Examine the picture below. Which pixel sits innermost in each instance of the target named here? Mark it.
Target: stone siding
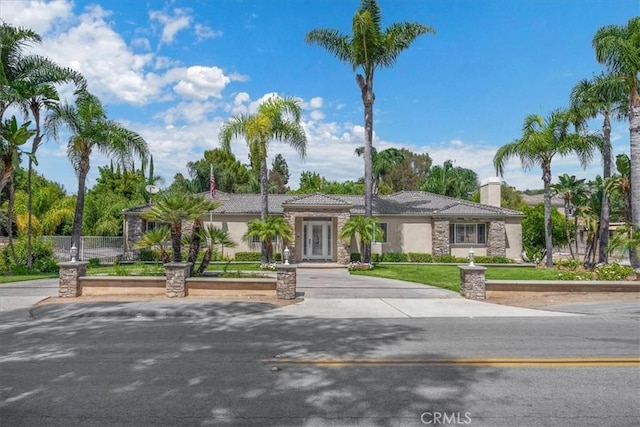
(135, 230)
(496, 239)
(472, 282)
(69, 278)
(177, 274)
(286, 281)
(440, 238)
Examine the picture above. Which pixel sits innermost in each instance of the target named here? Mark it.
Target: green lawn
(448, 276)
(11, 278)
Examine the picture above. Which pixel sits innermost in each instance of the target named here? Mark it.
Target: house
(412, 221)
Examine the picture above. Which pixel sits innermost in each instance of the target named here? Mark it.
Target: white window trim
(453, 240)
(386, 233)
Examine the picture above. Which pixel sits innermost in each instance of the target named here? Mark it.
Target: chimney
(490, 191)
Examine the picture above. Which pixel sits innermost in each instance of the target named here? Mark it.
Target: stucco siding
(513, 229)
(236, 225)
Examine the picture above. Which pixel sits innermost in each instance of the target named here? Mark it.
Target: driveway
(24, 294)
(338, 283)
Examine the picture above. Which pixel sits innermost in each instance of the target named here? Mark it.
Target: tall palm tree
(618, 48)
(368, 47)
(620, 183)
(543, 139)
(91, 131)
(606, 95)
(276, 118)
(383, 162)
(175, 208)
(570, 189)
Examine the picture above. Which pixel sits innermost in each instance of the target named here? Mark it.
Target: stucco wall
(236, 225)
(513, 228)
(405, 234)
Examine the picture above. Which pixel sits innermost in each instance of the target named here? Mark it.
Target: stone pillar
(69, 278)
(177, 274)
(440, 237)
(343, 248)
(496, 239)
(286, 281)
(472, 282)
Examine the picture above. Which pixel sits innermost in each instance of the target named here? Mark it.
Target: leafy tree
(270, 229)
(279, 175)
(364, 229)
(228, 171)
(533, 230)
(510, 198)
(383, 163)
(214, 236)
(569, 188)
(451, 181)
(368, 48)
(604, 95)
(618, 48)
(277, 118)
(541, 141)
(91, 131)
(410, 172)
(620, 184)
(175, 208)
(312, 182)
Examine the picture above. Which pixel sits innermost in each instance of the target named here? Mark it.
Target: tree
(542, 140)
(91, 131)
(620, 184)
(605, 95)
(270, 229)
(452, 181)
(279, 175)
(383, 163)
(510, 198)
(276, 118)
(214, 236)
(410, 172)
(533, 230)
(368, 48)
(156, 238)
(364, 229)
(569, 188)
(175, 208)
(618, 48)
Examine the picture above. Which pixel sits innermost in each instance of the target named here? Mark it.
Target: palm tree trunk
(566, 227)
(603, 233)
(548, 226)
(634, 130)
(77, 216)
(10, 220)
(176, 242)
(205, 261)
(195, 243)
(368, 99)
(29, 208)
(264, 213)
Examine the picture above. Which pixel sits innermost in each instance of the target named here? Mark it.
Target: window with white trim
(256, 240)
(383, 227)
(468, 233)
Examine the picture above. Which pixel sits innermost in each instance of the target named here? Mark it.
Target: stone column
(286, 281)
(440, 237)
(496, 239)
(69, 278)
(177, 274)
(472, 282)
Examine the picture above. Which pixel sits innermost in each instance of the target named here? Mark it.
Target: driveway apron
(338, 283)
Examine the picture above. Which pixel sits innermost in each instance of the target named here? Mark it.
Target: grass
(448, 276)
(21, 278)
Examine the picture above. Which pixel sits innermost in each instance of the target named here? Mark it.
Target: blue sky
(174, 71)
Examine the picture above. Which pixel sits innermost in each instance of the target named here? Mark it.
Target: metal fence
(106, 249)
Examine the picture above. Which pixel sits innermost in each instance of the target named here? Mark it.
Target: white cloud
(200, 83)
(317, 115)
(37, 15)
(203, 32)
(315, 102)
(171, 25)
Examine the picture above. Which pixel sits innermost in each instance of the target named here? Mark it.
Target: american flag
(212, 183)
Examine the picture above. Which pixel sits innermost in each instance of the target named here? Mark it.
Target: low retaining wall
(91, 286)
(205, 286)
(561, 286)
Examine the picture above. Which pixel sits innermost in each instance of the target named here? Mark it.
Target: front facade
(412, 221)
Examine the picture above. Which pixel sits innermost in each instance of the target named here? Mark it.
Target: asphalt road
(245, 369)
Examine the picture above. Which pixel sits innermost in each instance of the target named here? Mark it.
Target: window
(467, 233)
(383, 227)
(256, 240)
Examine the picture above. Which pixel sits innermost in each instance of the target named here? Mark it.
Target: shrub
(450, 259)
(499, 259)
(575, 275)
(149, 255)
(41, 250)
(420, 257)
(94, 262)
(356, 257)
(613, 272)
(248, 256)
(394, 257)
(375, 257)
(278, 257)
(360, 266)
(568, 264)
(48, 265)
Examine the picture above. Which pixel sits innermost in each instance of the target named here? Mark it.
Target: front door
(317, 240)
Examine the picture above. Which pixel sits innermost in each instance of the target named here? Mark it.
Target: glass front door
(317, 236)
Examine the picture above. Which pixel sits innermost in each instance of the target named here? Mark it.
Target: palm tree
(271, 121)
(383, 162)
(625, 238)
(155, 238)
(364, 229)
(570, 189)
(620, 183)
(606, 95)
(214, 236)
(450, 181)
(543, 139)
(91, 131)
(270, 229)
(368, 48)
(618, 48)
(175, 208)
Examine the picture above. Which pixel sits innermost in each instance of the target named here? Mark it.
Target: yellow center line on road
(525, 362)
